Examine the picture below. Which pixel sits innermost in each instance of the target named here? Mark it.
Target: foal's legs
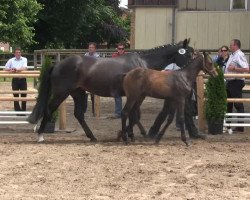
(132, 105)
(134, 117)
(137, 116)
(78, 96)
(180, 114)
(53, 105)
(124, 115)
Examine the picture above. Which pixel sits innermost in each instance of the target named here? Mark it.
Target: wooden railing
(26, 74)
(201, 99)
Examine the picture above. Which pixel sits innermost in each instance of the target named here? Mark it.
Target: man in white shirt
(17, 64)
(236, 64)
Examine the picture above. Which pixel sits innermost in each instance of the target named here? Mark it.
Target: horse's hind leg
(78, 97)
(180, 116)
(53, 105)
(138, 123)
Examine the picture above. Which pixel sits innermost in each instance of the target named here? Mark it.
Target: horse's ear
(205, 54)
(186, 42)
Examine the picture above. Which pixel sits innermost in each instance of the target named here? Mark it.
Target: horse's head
(208, 65)
(158, 58)
(183, 53)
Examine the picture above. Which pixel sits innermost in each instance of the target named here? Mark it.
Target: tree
(72, 24)
(17, 18)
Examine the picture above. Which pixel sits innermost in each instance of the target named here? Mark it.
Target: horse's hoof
(151, 135)
(40, 139)
(93, 140)
(119, 136)
(157, 142)
(188, 143)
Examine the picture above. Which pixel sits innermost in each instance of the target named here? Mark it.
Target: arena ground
(68, 166)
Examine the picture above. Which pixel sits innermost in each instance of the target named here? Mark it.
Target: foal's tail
(43, 97)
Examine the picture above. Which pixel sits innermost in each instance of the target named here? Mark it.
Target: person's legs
(189, 122)
(15, 86)
(118, 106)
(236, 92)
(229, 105)
(23, 86)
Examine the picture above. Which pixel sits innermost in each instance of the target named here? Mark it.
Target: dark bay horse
(101, 76)
(173, 87)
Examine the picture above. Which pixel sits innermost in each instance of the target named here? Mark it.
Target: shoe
(115, 117)
(198, 136)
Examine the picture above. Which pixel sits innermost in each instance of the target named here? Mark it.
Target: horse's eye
(182, 51)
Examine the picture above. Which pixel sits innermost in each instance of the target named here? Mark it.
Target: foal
(173, 87)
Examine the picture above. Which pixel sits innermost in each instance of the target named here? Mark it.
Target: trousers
(19, 84)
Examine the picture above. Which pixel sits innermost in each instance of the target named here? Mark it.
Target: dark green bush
(216, 98)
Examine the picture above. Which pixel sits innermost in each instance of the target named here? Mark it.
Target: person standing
(118, 99)
(236, 64)
(91, 52)
(223, 57)
(13, 65)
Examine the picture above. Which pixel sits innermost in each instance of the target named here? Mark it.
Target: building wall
(210, 30)
(152, 27)
(4, 46)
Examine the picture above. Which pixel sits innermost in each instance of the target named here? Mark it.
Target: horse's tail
(43, 96)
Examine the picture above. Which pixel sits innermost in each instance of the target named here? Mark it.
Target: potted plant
(50, 126)
(216, 102)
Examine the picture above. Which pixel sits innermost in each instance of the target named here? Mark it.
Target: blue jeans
(118, 106)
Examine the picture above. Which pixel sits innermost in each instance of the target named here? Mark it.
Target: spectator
(236, 64)
(91, 52)
(223, 57)
(18, 64)
(118, 99)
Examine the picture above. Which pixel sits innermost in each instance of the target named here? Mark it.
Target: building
(209, 23)
(4, 46)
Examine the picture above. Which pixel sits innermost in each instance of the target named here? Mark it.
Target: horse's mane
(157, 49)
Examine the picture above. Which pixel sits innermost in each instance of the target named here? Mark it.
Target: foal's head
(208, 65)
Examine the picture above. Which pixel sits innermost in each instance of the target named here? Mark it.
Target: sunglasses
(223, 50)
(120, 48)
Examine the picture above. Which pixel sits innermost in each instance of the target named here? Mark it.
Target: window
(238, 4)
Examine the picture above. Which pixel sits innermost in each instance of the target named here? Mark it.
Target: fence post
(62, 107)
(62, 116)
(200, 101)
